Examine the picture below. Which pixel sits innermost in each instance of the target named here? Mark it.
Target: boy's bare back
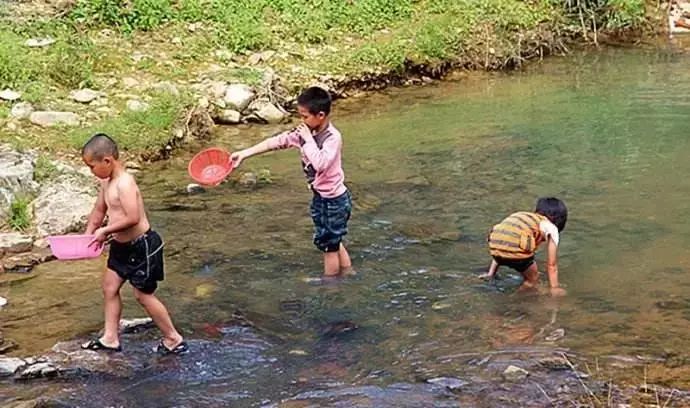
(121, 197)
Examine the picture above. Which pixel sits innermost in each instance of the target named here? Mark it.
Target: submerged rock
(10, 365)
(514, 373)
(448, 382)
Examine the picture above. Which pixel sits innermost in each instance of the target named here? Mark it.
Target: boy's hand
(236, 159)
(558, 291)
(99, 237)
(304, 132)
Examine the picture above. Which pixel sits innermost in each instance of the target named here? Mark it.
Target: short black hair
(99, 146)
(553, 209)
(316, 100)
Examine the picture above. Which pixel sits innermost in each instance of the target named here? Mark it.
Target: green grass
(20, 213)
(44, 169)
(138, 131)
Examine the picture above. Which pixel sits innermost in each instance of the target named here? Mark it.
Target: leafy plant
(20, 216)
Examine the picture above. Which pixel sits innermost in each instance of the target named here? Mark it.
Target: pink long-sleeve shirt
(321, 159)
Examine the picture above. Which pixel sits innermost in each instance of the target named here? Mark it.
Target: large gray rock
(64, 204)
(39, 42)
(50, 118)
(10, 365)
(238, 96)
(14, 243)
(267, 111)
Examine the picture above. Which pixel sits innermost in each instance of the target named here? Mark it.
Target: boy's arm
(97, 215)
(280, 141)
(552, 267)
(322, 158)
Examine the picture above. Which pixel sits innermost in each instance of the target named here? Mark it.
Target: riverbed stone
(21, 110)
(238, 96)
(136, 324)
(248, 179)
(227, 117)
(9, 95)
(15, 242)
(167, 87)
(64, 204)
(10, 365)
(267, 111)
(85, 95)
(52, 118)
(515, 373)
(39, 370)
(194, 188)
(449, 382)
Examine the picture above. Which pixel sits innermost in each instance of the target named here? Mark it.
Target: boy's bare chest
(112, 197)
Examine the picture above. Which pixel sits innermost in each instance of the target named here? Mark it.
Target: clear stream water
(431, 170)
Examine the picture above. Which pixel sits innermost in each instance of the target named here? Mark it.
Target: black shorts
(519, 265)
(330, 216)
(139, 261)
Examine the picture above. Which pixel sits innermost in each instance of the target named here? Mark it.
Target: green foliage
(72, 62)
(608, 14)
(126, 15)
(44, 169)
(17, 66)
(139, 131)
(20, 213)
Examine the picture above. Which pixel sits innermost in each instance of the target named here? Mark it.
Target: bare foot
(486, 276)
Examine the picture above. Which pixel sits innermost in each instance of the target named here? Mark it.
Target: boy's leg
(112, 305)
(156, 309)
(345, 261)
(531, 276)
(331, 264)
(492, 270)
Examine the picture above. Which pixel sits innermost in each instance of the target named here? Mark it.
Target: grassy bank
(100, 42)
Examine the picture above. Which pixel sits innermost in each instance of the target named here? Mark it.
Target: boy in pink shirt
(320, 145)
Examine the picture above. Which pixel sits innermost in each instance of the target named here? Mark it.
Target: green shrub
(20, 213)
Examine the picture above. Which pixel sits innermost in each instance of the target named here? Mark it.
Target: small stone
(427, 80)
(514, 373)
(3, 302)
(85, 95)
(167, 87)
(39, 42)
(10, 95)
(21, 110)
(203, 102)
(11, 126)
(228, 117)
(14, 243)
(193, 188)
(41, 243)
(238, 96)
(133, 325)
(176, 40)
(554, 363)
(556, 335)
(448, 382)
(133, 165)
(129, 82)
(204, 290)
(49, 118)
(137, 106)
(248, 179)
(440, 306)
(298, 352)
(10, 365)
(216, 90)
(100, 102)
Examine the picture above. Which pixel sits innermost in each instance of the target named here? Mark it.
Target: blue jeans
(330, 216)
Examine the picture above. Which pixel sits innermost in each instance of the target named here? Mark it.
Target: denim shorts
(330, 216)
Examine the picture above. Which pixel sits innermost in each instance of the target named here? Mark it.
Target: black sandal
(97, 345)
(177, 350)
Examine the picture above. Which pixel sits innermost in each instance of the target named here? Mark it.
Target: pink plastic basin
(74, 247)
